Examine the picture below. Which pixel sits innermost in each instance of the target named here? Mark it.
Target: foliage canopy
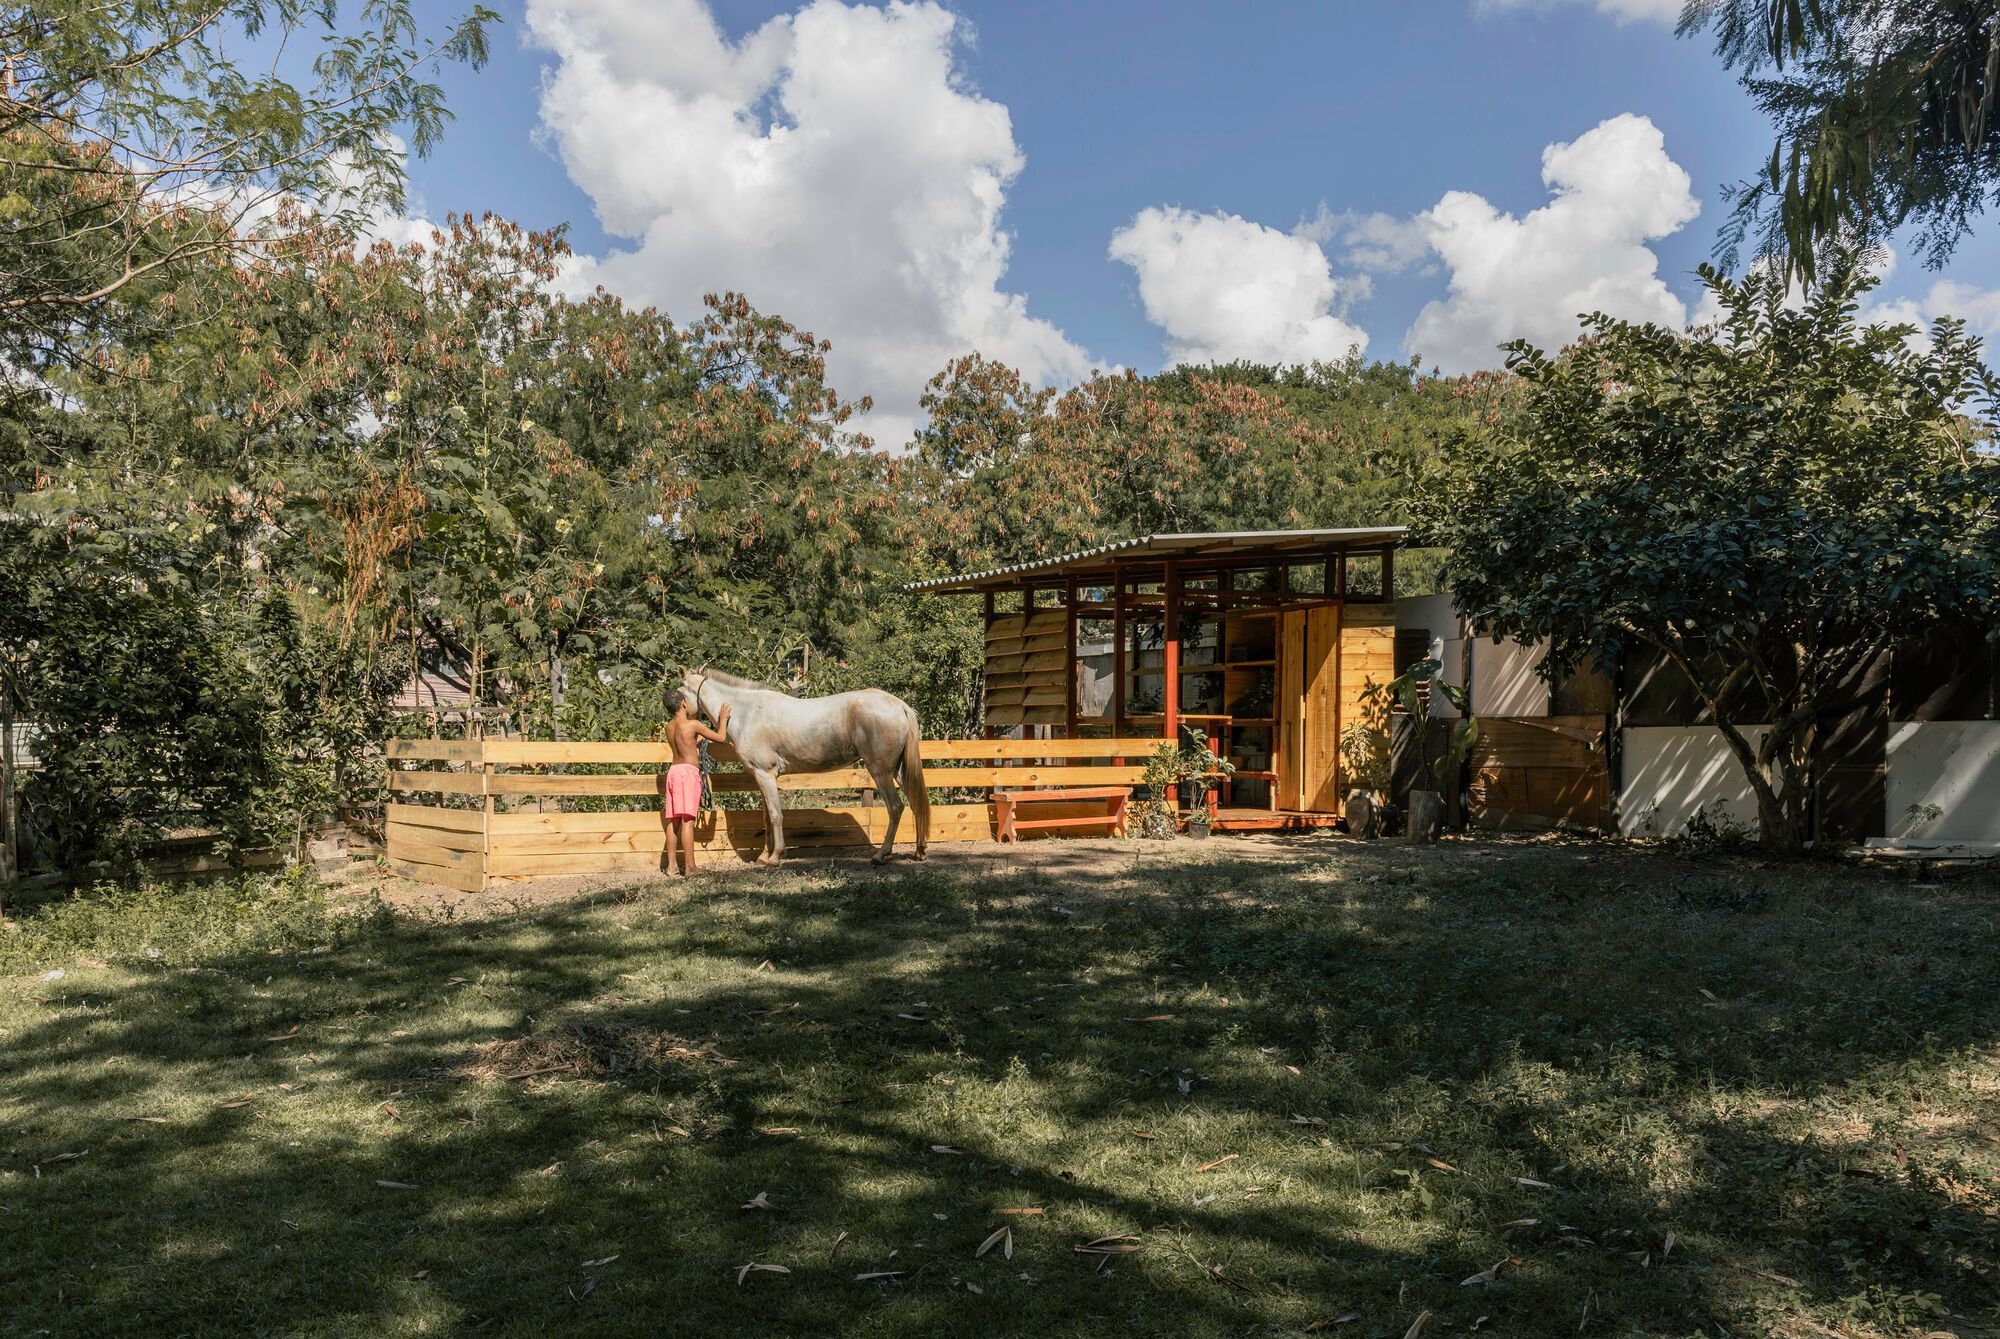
(1768, 506)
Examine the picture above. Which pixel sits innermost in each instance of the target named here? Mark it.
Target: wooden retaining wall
(1541, 772)
(468, 813)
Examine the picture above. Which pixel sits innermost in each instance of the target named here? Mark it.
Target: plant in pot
(1204, 767)
(1441, 753)
(1364, 760)
(1156, 818)
(1166, 768)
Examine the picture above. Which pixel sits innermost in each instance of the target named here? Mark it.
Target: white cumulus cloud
(833, 165)
(1225, 288)
(1615, 189)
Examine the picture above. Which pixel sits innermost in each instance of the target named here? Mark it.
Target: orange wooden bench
(1011, 827)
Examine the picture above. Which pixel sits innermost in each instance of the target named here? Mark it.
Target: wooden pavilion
(1261, 640)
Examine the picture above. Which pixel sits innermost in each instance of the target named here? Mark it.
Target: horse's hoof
(768, 861)
(921, 854)
(878, 860)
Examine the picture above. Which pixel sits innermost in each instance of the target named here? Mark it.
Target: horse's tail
(914, 789)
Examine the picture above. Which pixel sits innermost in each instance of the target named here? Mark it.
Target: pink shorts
(683, 790)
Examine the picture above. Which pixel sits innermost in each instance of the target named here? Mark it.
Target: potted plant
(1440, 753)
(1164, 773)
(1203, 767)
(1166, 769)
(1364, 760)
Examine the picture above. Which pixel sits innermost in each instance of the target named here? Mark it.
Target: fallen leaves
(1109, 1246)
(1417, 1326)
(1491, 1274)
(1347, 1319)
(1018, 1211)
(60, 1157)
(834, 1250)
(745, 1271)
(1151, 1018)
(1532, 1183)
(759, 1201)
(877, 1274)
(1441, 1164)
(394, 1185)
(1002, 1237)
(1211, 1166)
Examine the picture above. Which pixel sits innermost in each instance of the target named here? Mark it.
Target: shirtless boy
(683, 786)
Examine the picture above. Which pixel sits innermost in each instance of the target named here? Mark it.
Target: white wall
(1505, 681)
(1670, 771)
(1954, 765)
(1434, 614)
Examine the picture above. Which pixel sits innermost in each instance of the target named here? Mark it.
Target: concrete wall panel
(1952, 765)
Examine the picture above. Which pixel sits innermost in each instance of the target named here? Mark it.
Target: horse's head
(692, 682)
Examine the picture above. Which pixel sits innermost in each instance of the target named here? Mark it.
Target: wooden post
(1170, 655)
(10, 862)
(986, 727)
(486, 820)
(1069, 658)
(1118, 634)
(1389, 572)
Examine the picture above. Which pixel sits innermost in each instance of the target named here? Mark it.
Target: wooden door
(1307, 710)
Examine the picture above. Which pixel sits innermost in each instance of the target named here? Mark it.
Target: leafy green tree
(1884, 117)
(1768, 509)
(139, 138)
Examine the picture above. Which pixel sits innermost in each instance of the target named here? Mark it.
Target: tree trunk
(9, 834)
(1779, 818)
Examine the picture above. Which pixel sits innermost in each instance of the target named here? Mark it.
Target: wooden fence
(469, 813)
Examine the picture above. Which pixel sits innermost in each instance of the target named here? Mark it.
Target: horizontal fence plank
(434, 750)
(442, 783)
(1027, 774)
(942, 750)
(463, 880)
(448, 839)
(617, 783)
(401, 846)
(528, 752)
(430, 816)
(535, 753)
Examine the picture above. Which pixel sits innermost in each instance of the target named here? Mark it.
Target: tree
(1768, 507)
(142, 137)
(1885, 116)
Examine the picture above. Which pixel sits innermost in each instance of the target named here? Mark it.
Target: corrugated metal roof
(1146, 546)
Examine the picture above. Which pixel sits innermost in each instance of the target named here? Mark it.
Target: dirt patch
(585, 1051)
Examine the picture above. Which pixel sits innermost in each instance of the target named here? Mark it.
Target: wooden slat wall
(1541, 771)
(1027, 669)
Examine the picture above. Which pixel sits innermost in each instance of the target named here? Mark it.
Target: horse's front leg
(774, 818)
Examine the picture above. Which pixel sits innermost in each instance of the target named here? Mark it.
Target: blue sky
(1207, 139)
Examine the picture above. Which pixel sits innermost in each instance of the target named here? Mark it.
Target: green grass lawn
(1537, 1088)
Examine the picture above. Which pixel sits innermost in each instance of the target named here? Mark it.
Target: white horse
(774, 733)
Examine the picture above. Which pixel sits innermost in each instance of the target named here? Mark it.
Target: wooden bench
(1011, 827)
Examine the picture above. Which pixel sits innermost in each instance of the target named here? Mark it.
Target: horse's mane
(729, 680)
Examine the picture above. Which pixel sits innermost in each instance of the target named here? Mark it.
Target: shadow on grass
(1422, 1067)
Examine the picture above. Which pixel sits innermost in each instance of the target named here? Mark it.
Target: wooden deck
(1229, 819)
